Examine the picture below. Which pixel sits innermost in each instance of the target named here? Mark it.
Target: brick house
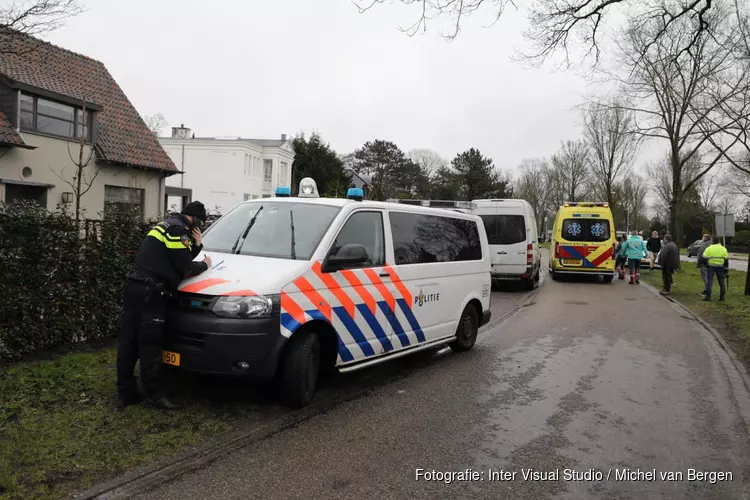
(44, 90)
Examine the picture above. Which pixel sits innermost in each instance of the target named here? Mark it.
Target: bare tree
(428, 160)
(532, 187)
(571, 164)
(634, 192)
(82, 180)
(608, 130)
(556, 187)
(565, 26)
(155, 123)
(678, 95)
(737, 182)
(32, 17)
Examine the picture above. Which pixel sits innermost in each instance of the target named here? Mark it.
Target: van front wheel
(300, 370)
(466, 333)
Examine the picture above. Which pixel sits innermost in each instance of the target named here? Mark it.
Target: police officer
(164, 259)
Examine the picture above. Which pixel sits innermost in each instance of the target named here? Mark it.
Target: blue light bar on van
(355, 194)
(283, 192)
(585, 204)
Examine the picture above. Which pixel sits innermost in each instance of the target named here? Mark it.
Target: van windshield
(504, 229)
(585, 229)
(271, 233)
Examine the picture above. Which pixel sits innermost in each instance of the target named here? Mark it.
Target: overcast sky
(260, 68)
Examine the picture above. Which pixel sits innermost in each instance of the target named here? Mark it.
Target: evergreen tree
(315, 158)
(478, 178)
(393, 174)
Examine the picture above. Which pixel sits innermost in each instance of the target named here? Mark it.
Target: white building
(223, 172)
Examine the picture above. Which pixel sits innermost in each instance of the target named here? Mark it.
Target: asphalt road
(736, 264)
(588, 376)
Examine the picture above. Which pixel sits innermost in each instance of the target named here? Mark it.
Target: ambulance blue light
(355, 194)
(283, 192)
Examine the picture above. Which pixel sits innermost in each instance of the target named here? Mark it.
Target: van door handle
(502, 253)
(385, 275)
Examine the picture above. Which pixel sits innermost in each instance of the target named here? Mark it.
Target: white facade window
(267, 170)
(283, 172)
(256, 167)
(255, 197)
(245, 197)
(266, 196)
(248, 166)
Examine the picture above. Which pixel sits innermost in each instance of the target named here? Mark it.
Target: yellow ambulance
(583, 241)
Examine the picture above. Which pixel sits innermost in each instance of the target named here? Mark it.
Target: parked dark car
(692, 250)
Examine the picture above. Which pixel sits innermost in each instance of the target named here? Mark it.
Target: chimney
(283, 137)
(180, 132)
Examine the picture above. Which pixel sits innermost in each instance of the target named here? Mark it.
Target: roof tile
(8, 134)
(122, 135)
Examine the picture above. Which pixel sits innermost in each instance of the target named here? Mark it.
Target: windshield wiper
(291, 222)
(244, 232)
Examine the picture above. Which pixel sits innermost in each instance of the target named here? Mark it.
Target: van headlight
(253, 306)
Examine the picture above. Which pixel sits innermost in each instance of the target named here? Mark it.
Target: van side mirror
(347, 255)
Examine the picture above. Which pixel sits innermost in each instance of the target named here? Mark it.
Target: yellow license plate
(170, 358)
(572, 262)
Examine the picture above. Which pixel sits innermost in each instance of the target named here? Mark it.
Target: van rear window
(504, 229)
(585, 230)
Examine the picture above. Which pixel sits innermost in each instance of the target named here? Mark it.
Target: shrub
(741, 238)
(61, 284)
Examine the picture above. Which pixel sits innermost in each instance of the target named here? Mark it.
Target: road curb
(738, 378)
(147, 477)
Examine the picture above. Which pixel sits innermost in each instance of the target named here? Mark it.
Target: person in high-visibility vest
(716, 258)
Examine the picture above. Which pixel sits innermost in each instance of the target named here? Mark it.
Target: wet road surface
(590, 375)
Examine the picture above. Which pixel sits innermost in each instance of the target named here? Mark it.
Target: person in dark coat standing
(165, 258)
(669, 261)
(702, 266)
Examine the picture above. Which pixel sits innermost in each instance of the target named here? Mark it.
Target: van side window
(420, 239)
(366, 229)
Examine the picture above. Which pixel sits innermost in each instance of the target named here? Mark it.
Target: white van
(300, 284)
(513, 238)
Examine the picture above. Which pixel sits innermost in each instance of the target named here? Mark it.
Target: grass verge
(60, 433)
(731, 318)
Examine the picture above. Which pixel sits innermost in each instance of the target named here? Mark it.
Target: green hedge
(60, 284)
(741, 238)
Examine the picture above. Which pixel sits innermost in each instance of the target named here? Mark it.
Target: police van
(303, 284)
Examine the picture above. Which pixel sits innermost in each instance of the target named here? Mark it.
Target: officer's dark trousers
(720, 274)
(141, 334)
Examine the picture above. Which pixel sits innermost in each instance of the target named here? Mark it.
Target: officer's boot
(161, 403)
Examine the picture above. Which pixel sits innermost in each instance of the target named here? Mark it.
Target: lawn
(731, 318)
(60, 432)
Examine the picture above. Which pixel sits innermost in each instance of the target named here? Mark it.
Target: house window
(54, 118)
(283, 172)
(122, 200)
(245, 197)
(255, 197)
(248, 170)
(256, 167)
(267, 170)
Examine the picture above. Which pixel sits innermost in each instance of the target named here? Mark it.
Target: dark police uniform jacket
(167, 252)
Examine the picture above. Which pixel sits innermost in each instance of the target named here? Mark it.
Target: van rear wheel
(300, 369)
(468, 328)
